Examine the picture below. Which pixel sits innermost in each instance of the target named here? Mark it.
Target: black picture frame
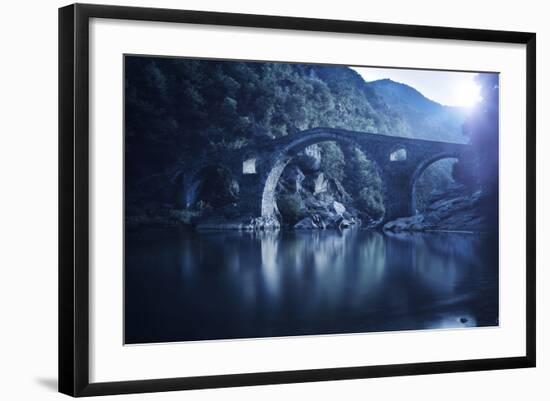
(74, 198)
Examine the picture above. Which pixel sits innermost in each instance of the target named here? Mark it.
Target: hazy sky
(445, 87)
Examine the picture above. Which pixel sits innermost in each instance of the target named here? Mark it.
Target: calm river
(221, 285)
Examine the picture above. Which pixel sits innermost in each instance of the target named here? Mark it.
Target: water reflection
(192, 286)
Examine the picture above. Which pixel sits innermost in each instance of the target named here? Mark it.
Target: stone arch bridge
(257, 169)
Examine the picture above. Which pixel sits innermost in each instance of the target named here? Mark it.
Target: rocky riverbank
(455, 209)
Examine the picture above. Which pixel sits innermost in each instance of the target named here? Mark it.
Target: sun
(466, 94)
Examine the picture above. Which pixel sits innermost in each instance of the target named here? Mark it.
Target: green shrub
(291, 207)
(332, 160)
(361, 173)
(370, 201)
(364, 183)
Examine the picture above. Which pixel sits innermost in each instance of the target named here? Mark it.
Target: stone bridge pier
(257, 169)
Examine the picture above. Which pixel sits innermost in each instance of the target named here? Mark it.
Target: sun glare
(466, 94)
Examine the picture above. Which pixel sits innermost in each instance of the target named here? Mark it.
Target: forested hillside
(180, 105)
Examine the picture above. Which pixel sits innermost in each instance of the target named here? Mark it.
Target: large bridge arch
(421, 168)
(281, 159)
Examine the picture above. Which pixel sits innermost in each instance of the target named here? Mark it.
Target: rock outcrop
(308, 200)
(246, 224)
(455, 209)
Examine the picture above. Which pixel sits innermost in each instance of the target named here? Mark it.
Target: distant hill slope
(424, 118)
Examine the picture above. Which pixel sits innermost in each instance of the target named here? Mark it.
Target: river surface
(183, 286)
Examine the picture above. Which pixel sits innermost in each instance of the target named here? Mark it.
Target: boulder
(338, 208)
(306, 224)
(320, 184)
(264, 223)
(344, 223)
(309, 159)
(315, 204)
(250, 224)
(336, 188)
(292, 179)
(319, 222)
(412, 223)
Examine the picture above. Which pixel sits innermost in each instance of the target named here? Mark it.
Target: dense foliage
(365, 184)
(333, 160)
(177, 106)
(291, 206)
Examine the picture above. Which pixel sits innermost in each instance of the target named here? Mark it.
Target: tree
(480, 170)
(365, 183)
(481, 127)
(332, 160)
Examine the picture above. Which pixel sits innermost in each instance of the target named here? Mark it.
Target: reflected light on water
(270, 270)
(453, 322)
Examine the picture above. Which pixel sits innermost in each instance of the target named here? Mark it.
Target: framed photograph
(250, 199)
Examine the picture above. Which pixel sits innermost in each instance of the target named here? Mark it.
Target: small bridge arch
(192, 179)
(421, 168)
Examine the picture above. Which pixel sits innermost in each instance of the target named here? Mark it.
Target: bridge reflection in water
(220, 285)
